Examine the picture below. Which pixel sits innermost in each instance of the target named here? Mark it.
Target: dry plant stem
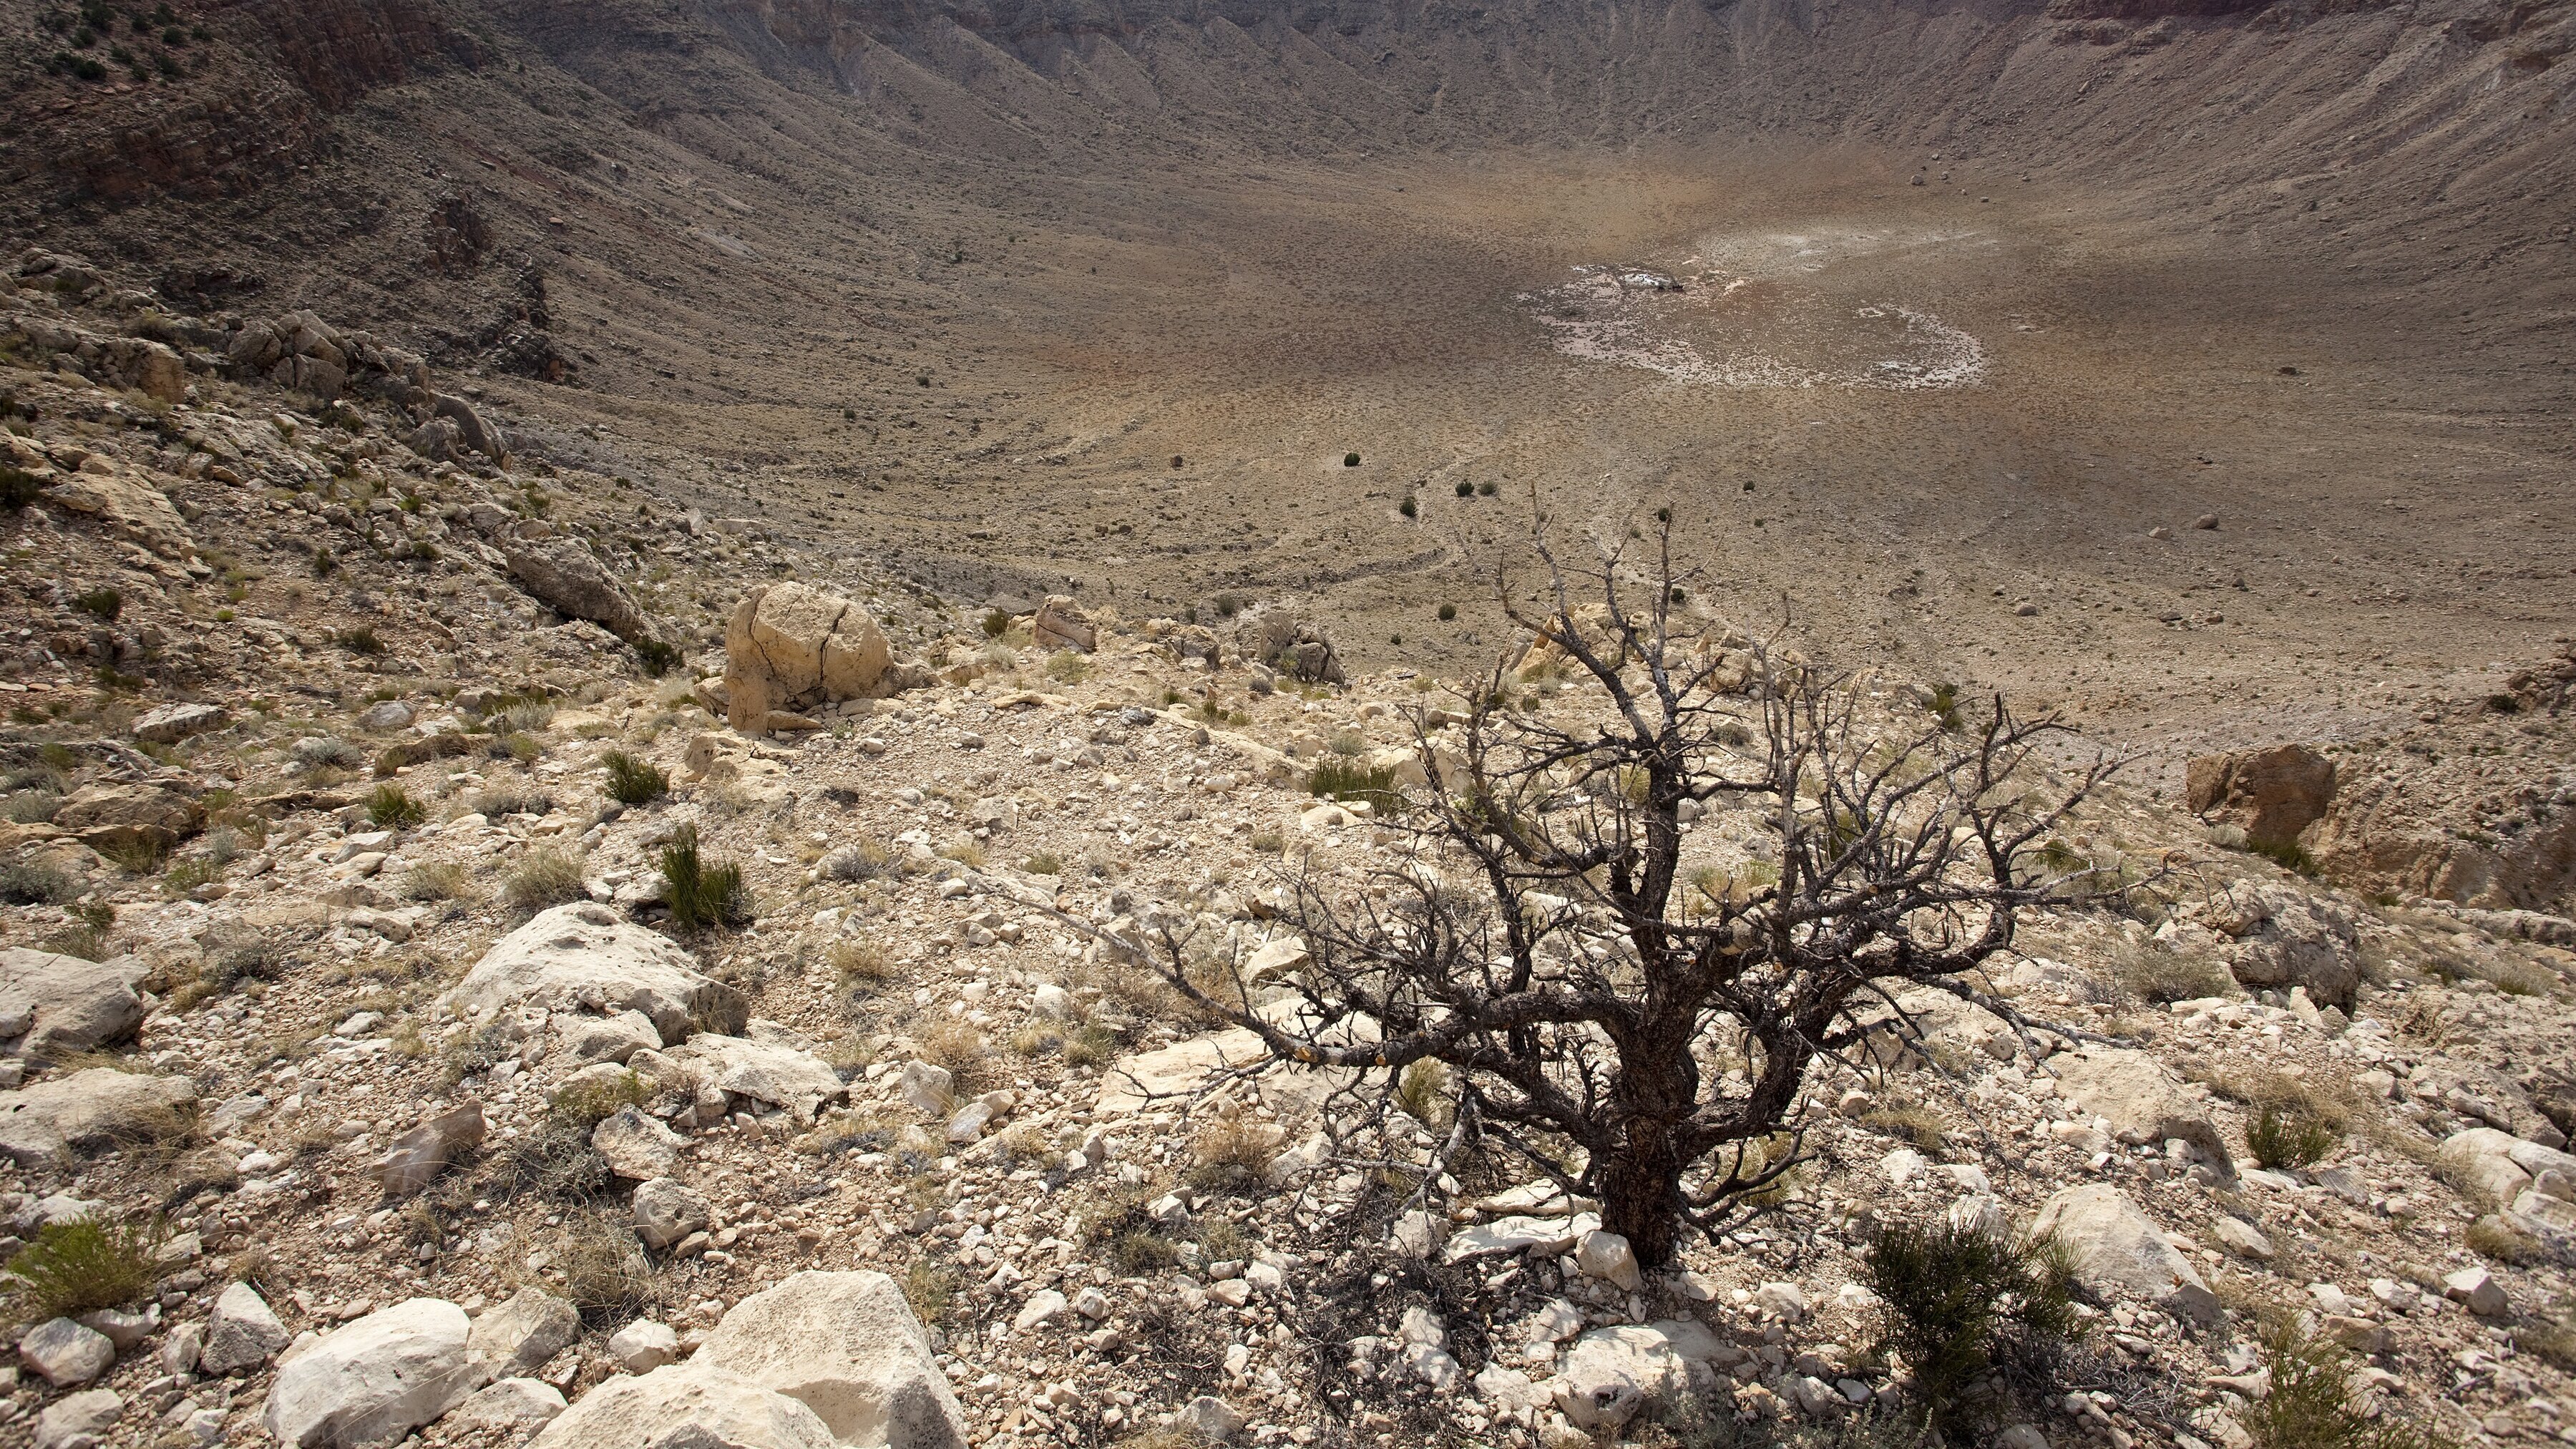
(1534, 943)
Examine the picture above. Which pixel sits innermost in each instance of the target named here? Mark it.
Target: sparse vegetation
(586, 1104)
(103, 604)
(18, 489)
(2160, 978)
(929, 1288)
(1955, 1297)
(26, 882)
(632, 781)
(1233, 1153)
(656, 657)
(2287, 1134)
(545, 876)
(391, 807)
(78, 1266)
(1067, 667)
(859, 966)
(1349, 780)
(702, 895)
(2310, 1404)
(360, 640)
(606, 1274)
(437, 880)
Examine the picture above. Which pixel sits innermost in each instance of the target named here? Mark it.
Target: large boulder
(2488, 830)
(1061, 624)
(2119, 1251)
(765, 1071)
(1290, 643)
(2143, 1102)
(789, 647)
(2281, 937)
(685, 1406)
(561, 572)
(846, 1346)
(51, 1003)
(42, 1124)
(586, 957)
(2272, 794)
(373, 1380)
(125, 817)
(1610, 1374)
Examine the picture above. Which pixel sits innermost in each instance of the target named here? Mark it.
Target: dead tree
(1640, 1029)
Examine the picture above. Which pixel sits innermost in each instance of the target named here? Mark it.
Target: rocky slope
(343, 991)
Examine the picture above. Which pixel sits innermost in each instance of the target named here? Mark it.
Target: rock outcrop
(790, 647)
(2271, 794)
(2144, 1103)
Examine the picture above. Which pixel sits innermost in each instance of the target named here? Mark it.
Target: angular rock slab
(2143, 1102)
(373, 1380)
(768, 1072)
(54, 1003)
(693, 1404)
(847, 1346)
(43, 1124)
(585, 956)
(1612, 1373)
(2121, 1253)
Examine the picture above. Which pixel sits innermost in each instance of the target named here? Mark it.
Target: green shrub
(361, 640)
(1448, 612)
(1045, 862)
(997, 622)
(928, 1288)
(632, 781)
(1350, 460)
(34, 883)
(1466, 489)
(99, 603)
(544, 877)
(1952, 1294)
(392, 807)
(2160, 977)
(1408, 507)
(1488, 488)
(1067, 667)
(324, 565)
(656, 656)
(80, 1266)
(2287, 1134)
(701, 895)
(18, 488)
(1348, 780)
(587, 1103)
(1945, 706)
(2310, 1405)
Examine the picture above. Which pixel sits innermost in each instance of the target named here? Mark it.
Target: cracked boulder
(51, 1003)
(789, 648)
(586, 957)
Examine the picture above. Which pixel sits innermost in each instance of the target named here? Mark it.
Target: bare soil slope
(957, 284)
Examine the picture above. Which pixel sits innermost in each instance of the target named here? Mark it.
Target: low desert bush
(1067, 667)
(656, 657)
(2161, 978)
(958, 1048)
(34, 883)
(391, 807)
(79, 1266)
(545, 876)
(553, 1163)
(1232, 1153)
(1091, 1046)
(1919, 1125)
(1348, 780)
(2310, 1405)
(858, 966)
(101, 604)
(585, 1104)
(2290, 1134)
(1953, 1294)
(632, 781)
(360, 640)
(702, 894)
(606, 1274)
(438, 880)
(328, 750)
